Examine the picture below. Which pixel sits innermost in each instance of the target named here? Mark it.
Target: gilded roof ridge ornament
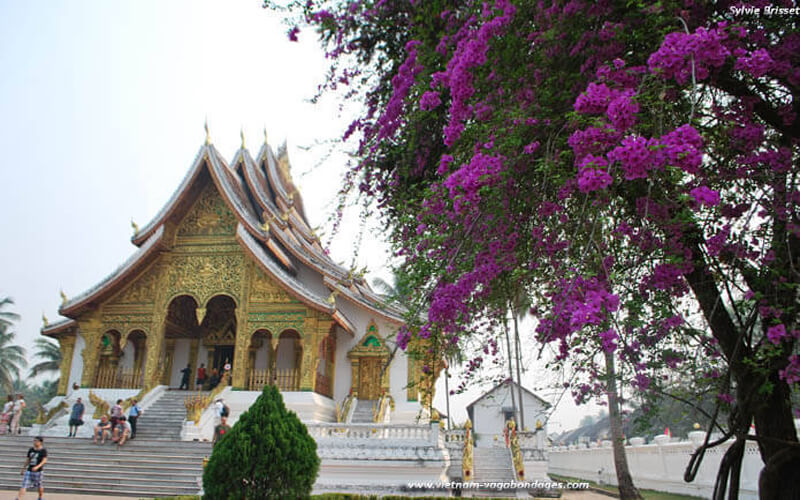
(208, 135)
(63, 297)
(44, 320)
(265, 135)
(241, 134)
(135, 227)
(332, 297)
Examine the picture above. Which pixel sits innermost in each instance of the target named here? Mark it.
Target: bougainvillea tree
(630, 166)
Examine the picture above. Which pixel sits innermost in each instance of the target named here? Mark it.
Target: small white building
(490, 412)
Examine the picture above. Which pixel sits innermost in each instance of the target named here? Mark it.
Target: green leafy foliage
(267, 454)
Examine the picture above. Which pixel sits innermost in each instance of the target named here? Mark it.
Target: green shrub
(267, 454)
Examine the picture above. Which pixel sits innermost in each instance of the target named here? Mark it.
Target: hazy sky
(102, 105)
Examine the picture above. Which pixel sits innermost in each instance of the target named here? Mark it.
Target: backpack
(225, 411)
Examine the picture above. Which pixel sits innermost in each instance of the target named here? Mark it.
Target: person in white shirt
(5, 417)
(19, 405)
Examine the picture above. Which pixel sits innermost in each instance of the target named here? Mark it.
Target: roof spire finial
(241, 134)
(265, 134)
(208, 136)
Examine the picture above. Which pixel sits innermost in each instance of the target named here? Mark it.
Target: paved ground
(11, 495)
(584, 495)
(31, 495)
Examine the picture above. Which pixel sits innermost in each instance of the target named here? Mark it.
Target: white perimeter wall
(658, 467)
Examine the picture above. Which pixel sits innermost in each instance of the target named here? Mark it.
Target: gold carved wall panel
(209, 216)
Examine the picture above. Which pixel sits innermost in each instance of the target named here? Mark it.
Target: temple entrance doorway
(222, 354)
(369, 378)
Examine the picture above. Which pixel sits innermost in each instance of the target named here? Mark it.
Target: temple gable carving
(209, 216)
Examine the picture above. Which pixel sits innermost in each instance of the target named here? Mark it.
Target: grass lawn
(647, 494)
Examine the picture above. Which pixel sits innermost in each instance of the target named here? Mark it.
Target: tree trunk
(624, 480)
(519, 376)
(511, 372)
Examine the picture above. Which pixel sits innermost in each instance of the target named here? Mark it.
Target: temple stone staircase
(493, 465)
(163, 420)
(362, 414)
(142, 468)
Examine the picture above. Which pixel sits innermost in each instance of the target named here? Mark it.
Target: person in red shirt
(201, 376)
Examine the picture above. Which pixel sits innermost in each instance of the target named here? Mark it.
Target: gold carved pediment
(141, 291)
(209, 216)
(265, 290)
(371, 345)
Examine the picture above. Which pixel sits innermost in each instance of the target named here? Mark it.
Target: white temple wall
(76, 369)
(343, 378)
(128, 357)
(202, 357)
(179, 362)
(262, 356)
(286, 354)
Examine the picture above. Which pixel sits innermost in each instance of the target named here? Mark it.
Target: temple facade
(230, 274)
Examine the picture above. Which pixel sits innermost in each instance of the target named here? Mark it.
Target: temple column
(323, 329)
(193, 347)
(354, 365)
(240, 349)
(274, 340)
(155, 341)
(169, 357)
(91, 330)
(67, 350)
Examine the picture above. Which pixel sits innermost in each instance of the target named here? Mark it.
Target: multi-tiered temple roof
(271, 226)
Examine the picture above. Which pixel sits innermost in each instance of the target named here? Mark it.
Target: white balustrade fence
(373, 432)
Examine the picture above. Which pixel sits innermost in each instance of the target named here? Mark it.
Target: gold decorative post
(240, 351)
(354, 362)
(91, 330)
(155, 342)
(67, 350)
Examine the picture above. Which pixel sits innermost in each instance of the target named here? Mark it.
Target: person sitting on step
(122, 432)
(102, 430)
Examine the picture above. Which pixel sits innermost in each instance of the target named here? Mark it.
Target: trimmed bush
(267, 454)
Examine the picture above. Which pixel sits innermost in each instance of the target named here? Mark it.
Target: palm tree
(7, 317)
(50, 353)
(12, 358)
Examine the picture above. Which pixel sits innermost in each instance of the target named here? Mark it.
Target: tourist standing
(116, 413)
(5, 417)
(19, 405)
(220, 430)
(201, 376)
(214, 380)
(76, 418)
(133, 416)
(219, 409)
(33, 470)
(187, 373)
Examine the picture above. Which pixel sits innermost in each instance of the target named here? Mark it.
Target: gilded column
(274, 341)
(193, 346)
(92, 331)
(169, 358)
(240, 351)
(155, 342)
(67, 350)
(310, 353)
(322, 331)
(354, 376)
